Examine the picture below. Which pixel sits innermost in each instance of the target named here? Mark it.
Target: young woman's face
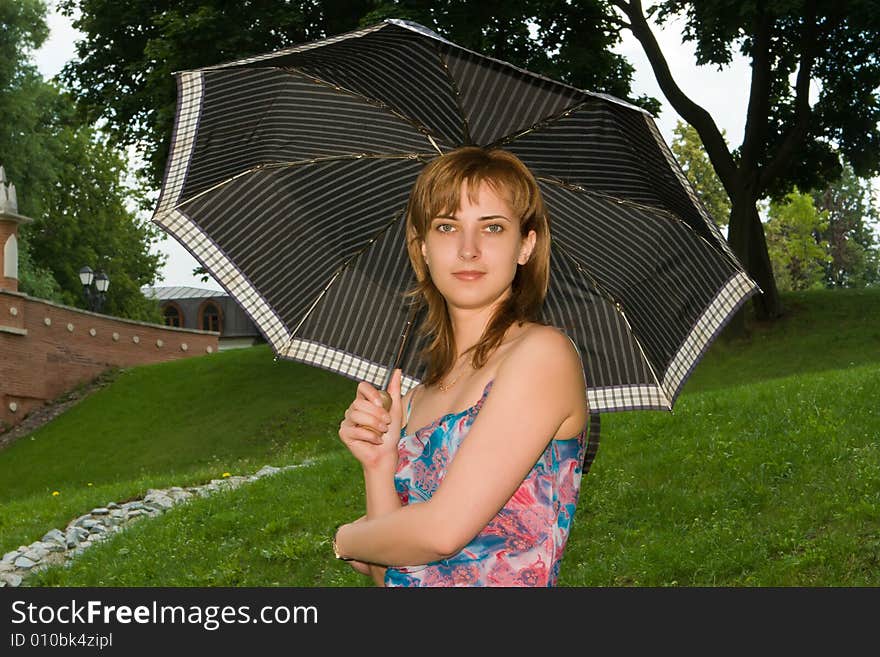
(473, 253)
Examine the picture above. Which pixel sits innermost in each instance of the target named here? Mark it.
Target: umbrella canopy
(289, 174)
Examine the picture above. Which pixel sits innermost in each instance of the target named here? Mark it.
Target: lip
(468, 275)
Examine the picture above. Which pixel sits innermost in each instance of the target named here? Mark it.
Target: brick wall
(47, 349)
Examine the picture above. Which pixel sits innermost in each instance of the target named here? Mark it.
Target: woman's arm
(537, 387)
(382, 496)
(379, 487)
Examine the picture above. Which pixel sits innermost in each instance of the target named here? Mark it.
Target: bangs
(446, 196)
(438, 191)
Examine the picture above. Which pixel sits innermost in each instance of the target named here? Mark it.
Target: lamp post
(94, 287)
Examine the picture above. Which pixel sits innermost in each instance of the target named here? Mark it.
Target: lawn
(767, 473)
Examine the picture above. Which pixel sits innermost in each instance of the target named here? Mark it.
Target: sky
(724, 94)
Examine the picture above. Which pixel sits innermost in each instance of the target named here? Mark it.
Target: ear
(528, 245)
(424, 251)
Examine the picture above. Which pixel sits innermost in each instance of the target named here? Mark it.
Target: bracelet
(336, 549)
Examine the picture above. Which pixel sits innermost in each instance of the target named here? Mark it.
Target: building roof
(180, 292)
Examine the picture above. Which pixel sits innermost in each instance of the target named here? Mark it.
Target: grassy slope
(179, 423)
(767, 473)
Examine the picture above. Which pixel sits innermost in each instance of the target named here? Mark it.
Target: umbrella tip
(415, 27)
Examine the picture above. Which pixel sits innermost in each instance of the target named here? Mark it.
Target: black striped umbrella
(289, 174)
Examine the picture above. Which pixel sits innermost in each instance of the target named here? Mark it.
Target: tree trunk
(746, 238)
(767, 305)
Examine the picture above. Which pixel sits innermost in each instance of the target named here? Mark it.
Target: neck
(468, 326)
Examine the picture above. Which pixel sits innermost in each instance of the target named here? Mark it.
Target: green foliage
(853, 217)
(798, 253)
(35, 280)
(87, 219)
(567, 41)
(70, 181)
(689, 151)
(796, 47)
(826, 238)
(839, 43)
(123, 75)
(24, 29)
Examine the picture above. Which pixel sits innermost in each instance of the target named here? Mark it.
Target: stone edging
(58, 547)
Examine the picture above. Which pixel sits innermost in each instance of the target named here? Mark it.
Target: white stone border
(61, 547)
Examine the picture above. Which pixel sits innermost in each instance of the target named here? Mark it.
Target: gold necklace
(447, 386)
(444, 388)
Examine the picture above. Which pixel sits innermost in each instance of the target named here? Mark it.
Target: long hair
(437, 191)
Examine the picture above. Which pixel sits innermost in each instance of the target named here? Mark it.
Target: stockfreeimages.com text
(211, 617)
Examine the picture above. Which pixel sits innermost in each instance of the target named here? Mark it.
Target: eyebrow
(488, 217)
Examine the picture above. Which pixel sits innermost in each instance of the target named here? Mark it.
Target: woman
(494, 509)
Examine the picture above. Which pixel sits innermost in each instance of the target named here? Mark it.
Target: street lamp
(94, 287)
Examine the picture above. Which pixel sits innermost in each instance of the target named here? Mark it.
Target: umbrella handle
(386, 398)
(386, 404)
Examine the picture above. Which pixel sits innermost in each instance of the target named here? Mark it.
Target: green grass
(820, 331)
(180, 423)
(768, 472)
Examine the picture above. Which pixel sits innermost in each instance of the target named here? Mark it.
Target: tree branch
(759, 98)
(795, 136)
(698, 117)
(618, 21)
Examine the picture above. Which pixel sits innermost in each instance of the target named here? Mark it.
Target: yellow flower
(226, 474)
(55, 493)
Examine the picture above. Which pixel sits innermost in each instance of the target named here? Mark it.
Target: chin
(474, 301)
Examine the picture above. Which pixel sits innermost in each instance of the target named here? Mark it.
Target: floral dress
(523, 544)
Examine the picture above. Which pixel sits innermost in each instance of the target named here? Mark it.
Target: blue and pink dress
(523, 544)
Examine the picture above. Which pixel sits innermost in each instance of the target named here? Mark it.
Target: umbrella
(289, 173)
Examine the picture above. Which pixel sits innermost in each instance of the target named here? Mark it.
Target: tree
(24, 29)
(35, 280)
(853, 217)
(69, 181)
(797, 251)
(90, 219)
(692, 157)
(123, 74)
(788, 141)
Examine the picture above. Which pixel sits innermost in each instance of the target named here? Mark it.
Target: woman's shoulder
(546, 348)
(545, 362)
(546, 338)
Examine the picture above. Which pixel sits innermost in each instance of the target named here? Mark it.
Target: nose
(469, 245)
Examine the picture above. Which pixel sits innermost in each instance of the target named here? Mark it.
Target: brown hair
(436, 191)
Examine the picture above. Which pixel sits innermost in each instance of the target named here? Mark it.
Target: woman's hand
(369, 431)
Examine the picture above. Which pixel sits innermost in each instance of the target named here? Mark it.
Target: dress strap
(409, 407)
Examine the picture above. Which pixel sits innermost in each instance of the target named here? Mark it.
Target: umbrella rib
(423, 157)
(375, 102)
(339, 271)
(689, 189)
(609, 297)
(465, 125)
(651, 209)
(498, 143)
(573, 187)
(503, 141)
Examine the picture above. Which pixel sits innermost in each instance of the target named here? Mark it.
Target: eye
(494, 228)
(444, 228)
